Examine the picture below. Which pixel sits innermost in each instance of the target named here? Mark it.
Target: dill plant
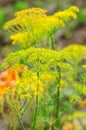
(42, 67)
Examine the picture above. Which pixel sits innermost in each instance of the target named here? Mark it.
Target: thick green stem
(36, 107)
(58, 99)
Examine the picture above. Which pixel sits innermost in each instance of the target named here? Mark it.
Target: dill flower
(67, 14)
(32, 25)
(76, 52)
(33, 11)
(41, 60)
(84, 66)
(24, 17)
(27, 88)
(37, 59)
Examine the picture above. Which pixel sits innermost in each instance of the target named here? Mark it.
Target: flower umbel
(32, 25)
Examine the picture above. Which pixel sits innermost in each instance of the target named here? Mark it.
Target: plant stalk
(58, 99)
(52, 44)
(20, 122)
(36, 107)
(18, 116)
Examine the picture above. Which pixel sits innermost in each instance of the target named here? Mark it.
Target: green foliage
(3, 17)
(82, 16)
(20, 5)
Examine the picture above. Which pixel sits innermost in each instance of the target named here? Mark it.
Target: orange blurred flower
(83, 103)
(69, 126)
(7, 79)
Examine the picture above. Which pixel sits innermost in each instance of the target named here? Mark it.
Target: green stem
(14, 127)
(20, 122)
(72, 117)
(52, 44)
(58, 99)
(18, 117)
(36, 107)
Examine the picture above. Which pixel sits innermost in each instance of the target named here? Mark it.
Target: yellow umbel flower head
(37, 59)
(32, 25)
(76, 52)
